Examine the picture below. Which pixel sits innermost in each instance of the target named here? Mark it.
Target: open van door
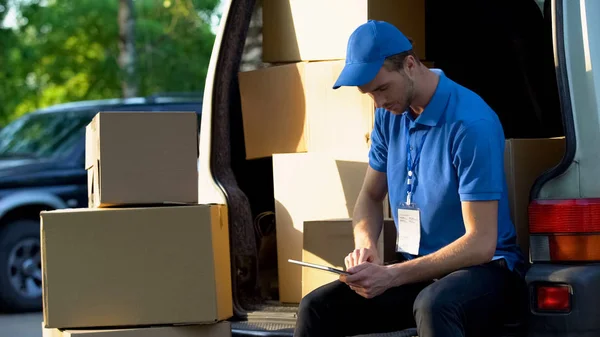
(564, 213)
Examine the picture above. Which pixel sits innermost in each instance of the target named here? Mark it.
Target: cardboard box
(221, 329)
(313, 30)
(328, 242)
(310, 186)
(524, 161)
(124, 267)
(142, 158)
(293, 108)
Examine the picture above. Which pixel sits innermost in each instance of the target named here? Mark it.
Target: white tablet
(318, 266)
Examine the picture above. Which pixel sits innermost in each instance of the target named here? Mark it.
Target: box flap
(94, 196)
(92, 142)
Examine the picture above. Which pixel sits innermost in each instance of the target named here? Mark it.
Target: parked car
(42, 158)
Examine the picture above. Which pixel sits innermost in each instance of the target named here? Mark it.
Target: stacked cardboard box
(318, 137)
(524, 161)
(309, 30)
(310, 187)
(327, 242)
(144, 256)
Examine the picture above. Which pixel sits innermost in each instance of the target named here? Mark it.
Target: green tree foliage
(67, 50)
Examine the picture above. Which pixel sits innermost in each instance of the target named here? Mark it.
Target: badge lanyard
(411, 166)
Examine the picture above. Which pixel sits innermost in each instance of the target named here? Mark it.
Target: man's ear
(410, 65)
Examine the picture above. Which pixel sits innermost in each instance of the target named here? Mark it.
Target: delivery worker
(437, 149)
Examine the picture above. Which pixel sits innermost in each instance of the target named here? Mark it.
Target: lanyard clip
(408, 198)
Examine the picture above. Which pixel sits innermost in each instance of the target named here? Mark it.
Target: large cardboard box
(328, 242)
(221, 329)
(310, 186)
(293, 108)
(123, 267)
(313, 30)
(142, 158)
(524, 161)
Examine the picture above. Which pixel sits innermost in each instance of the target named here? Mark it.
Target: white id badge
(409, 230)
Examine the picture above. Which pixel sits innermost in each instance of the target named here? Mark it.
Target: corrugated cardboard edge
(91, 139)
(92, 160)
(222, 261)
(48, 332)
(220, 329)
(510, 175)
(44, 272)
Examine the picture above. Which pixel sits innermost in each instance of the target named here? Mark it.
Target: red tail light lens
(565, 230)
(564, 216)
(555, 298)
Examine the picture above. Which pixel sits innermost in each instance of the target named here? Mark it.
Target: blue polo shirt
(461, 159)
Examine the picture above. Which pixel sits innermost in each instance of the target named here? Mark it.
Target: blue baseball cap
(368, 46)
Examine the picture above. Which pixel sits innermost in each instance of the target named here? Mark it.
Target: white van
(564, 214)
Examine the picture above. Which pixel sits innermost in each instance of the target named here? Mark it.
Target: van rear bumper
(582, 320)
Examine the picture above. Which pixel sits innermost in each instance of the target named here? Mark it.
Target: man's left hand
(368, 279)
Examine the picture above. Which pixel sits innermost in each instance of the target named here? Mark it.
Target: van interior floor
(279, 319)
(286, 330)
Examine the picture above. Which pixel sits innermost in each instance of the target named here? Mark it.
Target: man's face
(391, 89)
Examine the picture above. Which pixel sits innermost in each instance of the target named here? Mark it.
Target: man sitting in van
(438, 151)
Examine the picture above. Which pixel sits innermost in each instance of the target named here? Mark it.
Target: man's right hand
(361, 255)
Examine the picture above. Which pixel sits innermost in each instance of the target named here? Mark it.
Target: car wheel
(20, 267)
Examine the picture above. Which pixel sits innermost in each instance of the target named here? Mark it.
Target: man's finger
(361, 292)
(357, 278)
(362, 256)
(356, 288)
(357, 268)
(347, 262)
(355, 257)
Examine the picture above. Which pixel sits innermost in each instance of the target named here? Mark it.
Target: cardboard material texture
(328, 242)
(124, 267)
(221, 329)
(310, 186)
(137, 158)
(292, 108)
(524, 161)
(313, 30)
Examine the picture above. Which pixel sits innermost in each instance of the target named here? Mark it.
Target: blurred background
(70, 50)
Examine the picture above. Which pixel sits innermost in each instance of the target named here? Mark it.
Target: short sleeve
(478, 158)
(379, 142)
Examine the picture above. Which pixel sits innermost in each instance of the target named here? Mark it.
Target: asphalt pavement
(22, 325)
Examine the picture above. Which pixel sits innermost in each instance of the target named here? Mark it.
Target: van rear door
(564, 213)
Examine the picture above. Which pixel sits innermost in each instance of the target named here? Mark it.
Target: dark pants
(474, 301)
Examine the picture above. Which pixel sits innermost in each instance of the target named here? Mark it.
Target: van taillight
(565, 230)
(555, 298)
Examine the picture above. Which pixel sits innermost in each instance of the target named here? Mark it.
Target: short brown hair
(396, 61)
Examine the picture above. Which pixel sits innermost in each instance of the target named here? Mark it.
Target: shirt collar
(436, 106)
